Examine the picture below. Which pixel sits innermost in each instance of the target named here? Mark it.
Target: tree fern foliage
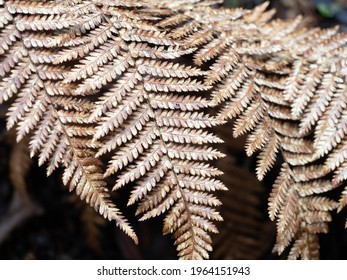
(116, 94)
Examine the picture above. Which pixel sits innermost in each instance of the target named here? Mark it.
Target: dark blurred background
(53, 224)
(324, 13)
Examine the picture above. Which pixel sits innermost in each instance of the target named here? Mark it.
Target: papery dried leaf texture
(283, 84)
(89, 78)
(117, 94)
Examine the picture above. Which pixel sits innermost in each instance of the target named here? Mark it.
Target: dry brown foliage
(105, 89)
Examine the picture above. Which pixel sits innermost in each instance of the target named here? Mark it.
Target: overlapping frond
(275, 78)
(41, 107)
(149, 121)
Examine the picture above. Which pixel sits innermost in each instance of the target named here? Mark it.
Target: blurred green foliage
(328, 10)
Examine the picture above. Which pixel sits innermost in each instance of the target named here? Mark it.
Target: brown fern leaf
(60, 132)
(320, 97)
(148, 119)
(301, 214)
(330, 136)
(265, 75)
(242, 55)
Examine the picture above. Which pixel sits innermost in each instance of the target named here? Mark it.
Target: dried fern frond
(98, 77)
(323, 112)
(60, 132)
(149, 119)
(264, 74)
(239, 47)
